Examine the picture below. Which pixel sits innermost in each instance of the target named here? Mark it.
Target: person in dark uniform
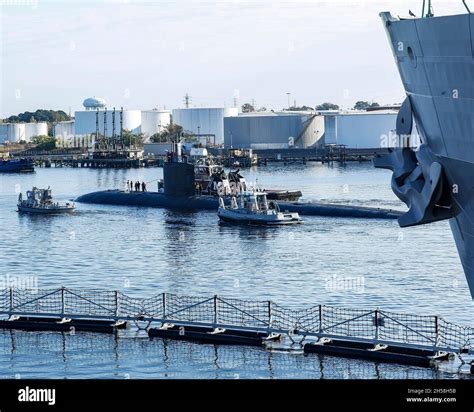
(143, 187)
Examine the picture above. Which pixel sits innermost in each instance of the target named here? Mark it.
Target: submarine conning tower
(178, 179)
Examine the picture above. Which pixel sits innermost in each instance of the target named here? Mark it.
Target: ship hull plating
(435, 60)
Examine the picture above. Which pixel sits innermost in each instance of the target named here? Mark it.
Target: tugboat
(17, 166)
(41, 201)
(253, 208)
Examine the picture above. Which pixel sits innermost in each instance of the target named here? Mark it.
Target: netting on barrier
(37, 301)
(4, 300)
(132, 307)
(317, 320)
(155, 306)
(189, 308)
(243, 312)
(90, 302)
(284, 318)
(408, 328)
(454, 336)
(348, 322)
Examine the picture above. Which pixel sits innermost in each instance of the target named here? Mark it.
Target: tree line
(359, 105)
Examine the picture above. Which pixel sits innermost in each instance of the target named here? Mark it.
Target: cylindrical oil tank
(16, 132)
(3, 132)
(204, 120)
(35, 129)
(154, 121)
(64, 130)
(274, 130)
(86, 120)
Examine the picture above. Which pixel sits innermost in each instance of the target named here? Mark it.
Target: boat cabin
(253, 202)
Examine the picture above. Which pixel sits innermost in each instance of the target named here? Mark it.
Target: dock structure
(330, 154)
(356, 333)
(81, 158)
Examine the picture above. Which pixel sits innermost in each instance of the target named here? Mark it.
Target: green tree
(132, 139)
(171, 132)
(44, 142)
(247, 108)
(327, 106)
(299, 108)
(40, 115)
(364, 105)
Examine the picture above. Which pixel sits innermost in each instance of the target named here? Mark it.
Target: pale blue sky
(145, 54)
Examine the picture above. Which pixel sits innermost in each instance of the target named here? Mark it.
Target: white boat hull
(230, 216)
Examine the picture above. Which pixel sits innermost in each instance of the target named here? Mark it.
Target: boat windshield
(262, 202)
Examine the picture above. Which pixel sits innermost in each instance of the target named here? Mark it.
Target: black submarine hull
(205, 202)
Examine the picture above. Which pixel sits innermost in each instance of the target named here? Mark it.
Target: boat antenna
(466, 6)
(429, 12)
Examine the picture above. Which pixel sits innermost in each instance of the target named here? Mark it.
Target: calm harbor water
(344, 262)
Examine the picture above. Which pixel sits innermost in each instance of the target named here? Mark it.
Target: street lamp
(288, 94)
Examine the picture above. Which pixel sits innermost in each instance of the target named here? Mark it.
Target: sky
(149, 54)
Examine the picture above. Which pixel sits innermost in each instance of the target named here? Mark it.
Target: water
(343, 262)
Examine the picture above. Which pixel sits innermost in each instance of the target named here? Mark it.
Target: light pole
(288, 94)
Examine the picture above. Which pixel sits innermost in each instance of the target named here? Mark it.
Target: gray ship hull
(435, 60)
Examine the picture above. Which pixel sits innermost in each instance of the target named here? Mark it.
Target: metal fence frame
(377, 326)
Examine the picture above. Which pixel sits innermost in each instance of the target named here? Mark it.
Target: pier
(81, 158)
(372, 334)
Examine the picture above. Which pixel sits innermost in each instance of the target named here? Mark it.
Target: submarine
(179, 193)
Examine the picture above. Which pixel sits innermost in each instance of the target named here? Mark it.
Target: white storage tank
(3, 132)
(35, 129)
(204, 120)
(16, 132)
(64, 130)
(360, 130)
(85, 122)
(274, 130)
(154, 121)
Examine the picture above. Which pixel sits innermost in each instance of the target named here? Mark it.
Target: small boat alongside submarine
(40, 201)
(253, 208)
(179, 193)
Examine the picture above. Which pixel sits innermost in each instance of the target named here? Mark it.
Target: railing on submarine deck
(317, 321)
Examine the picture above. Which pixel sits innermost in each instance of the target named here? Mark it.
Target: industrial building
(359, 130)
(274, 130)
(109, 122)
(22, 132)
(207, 121)
(154, 121)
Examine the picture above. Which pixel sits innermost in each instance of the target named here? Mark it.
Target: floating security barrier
(213, 335)
(37, 323)
(376, 335)
(392, 353)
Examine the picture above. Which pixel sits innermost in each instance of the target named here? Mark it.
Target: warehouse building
(208, 121)
(274, 130)
(109, 122)
(22, 132)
